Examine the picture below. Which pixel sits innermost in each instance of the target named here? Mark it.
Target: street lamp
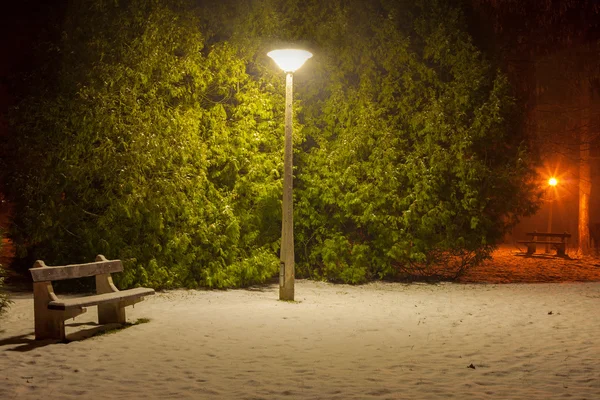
(289, 60)
(552, 182)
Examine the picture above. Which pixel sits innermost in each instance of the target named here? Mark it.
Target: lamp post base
(286, 289)
(286, 293)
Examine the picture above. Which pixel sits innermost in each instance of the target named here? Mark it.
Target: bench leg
(560, 250)
(49, 324)
(111, 313)
(530, 249)
(49, 327)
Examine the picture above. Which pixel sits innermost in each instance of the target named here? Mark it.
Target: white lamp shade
(289, 60)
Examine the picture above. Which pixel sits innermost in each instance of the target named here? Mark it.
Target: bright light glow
(552, 181)
(289, 60)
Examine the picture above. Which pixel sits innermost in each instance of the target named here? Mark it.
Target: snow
(375, 341)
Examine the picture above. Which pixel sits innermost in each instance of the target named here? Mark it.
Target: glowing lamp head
(289, 60)
(552, 181)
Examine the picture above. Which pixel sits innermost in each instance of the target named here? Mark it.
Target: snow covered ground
(376, 341)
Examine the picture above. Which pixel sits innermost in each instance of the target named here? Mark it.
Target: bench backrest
(549, 234)
(43, 273)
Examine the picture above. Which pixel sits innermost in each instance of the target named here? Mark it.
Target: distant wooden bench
(557, 241)
(51, 312)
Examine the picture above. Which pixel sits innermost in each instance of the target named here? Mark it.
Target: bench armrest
(104, 282)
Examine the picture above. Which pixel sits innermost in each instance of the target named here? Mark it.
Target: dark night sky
(23, 22)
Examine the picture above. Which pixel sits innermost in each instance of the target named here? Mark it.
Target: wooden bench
(50, 312)
(557, 241)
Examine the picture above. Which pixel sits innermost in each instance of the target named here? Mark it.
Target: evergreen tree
(160, 142)
(412, 139)
(150, 147)
(414, 159)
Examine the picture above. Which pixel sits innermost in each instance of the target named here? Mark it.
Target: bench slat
(97, 299)
(540, 242)
(549, 234)
(45, 273)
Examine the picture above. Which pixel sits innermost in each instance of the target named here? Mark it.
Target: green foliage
(160, 143)
(415, 158)
(415, 155)
(412, 141)
(151, 148)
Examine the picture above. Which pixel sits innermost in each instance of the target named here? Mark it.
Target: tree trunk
(585, 176)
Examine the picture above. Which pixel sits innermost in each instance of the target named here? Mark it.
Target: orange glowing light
(552, 181)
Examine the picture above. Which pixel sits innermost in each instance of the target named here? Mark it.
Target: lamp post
(289, 60)
(552, 182)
